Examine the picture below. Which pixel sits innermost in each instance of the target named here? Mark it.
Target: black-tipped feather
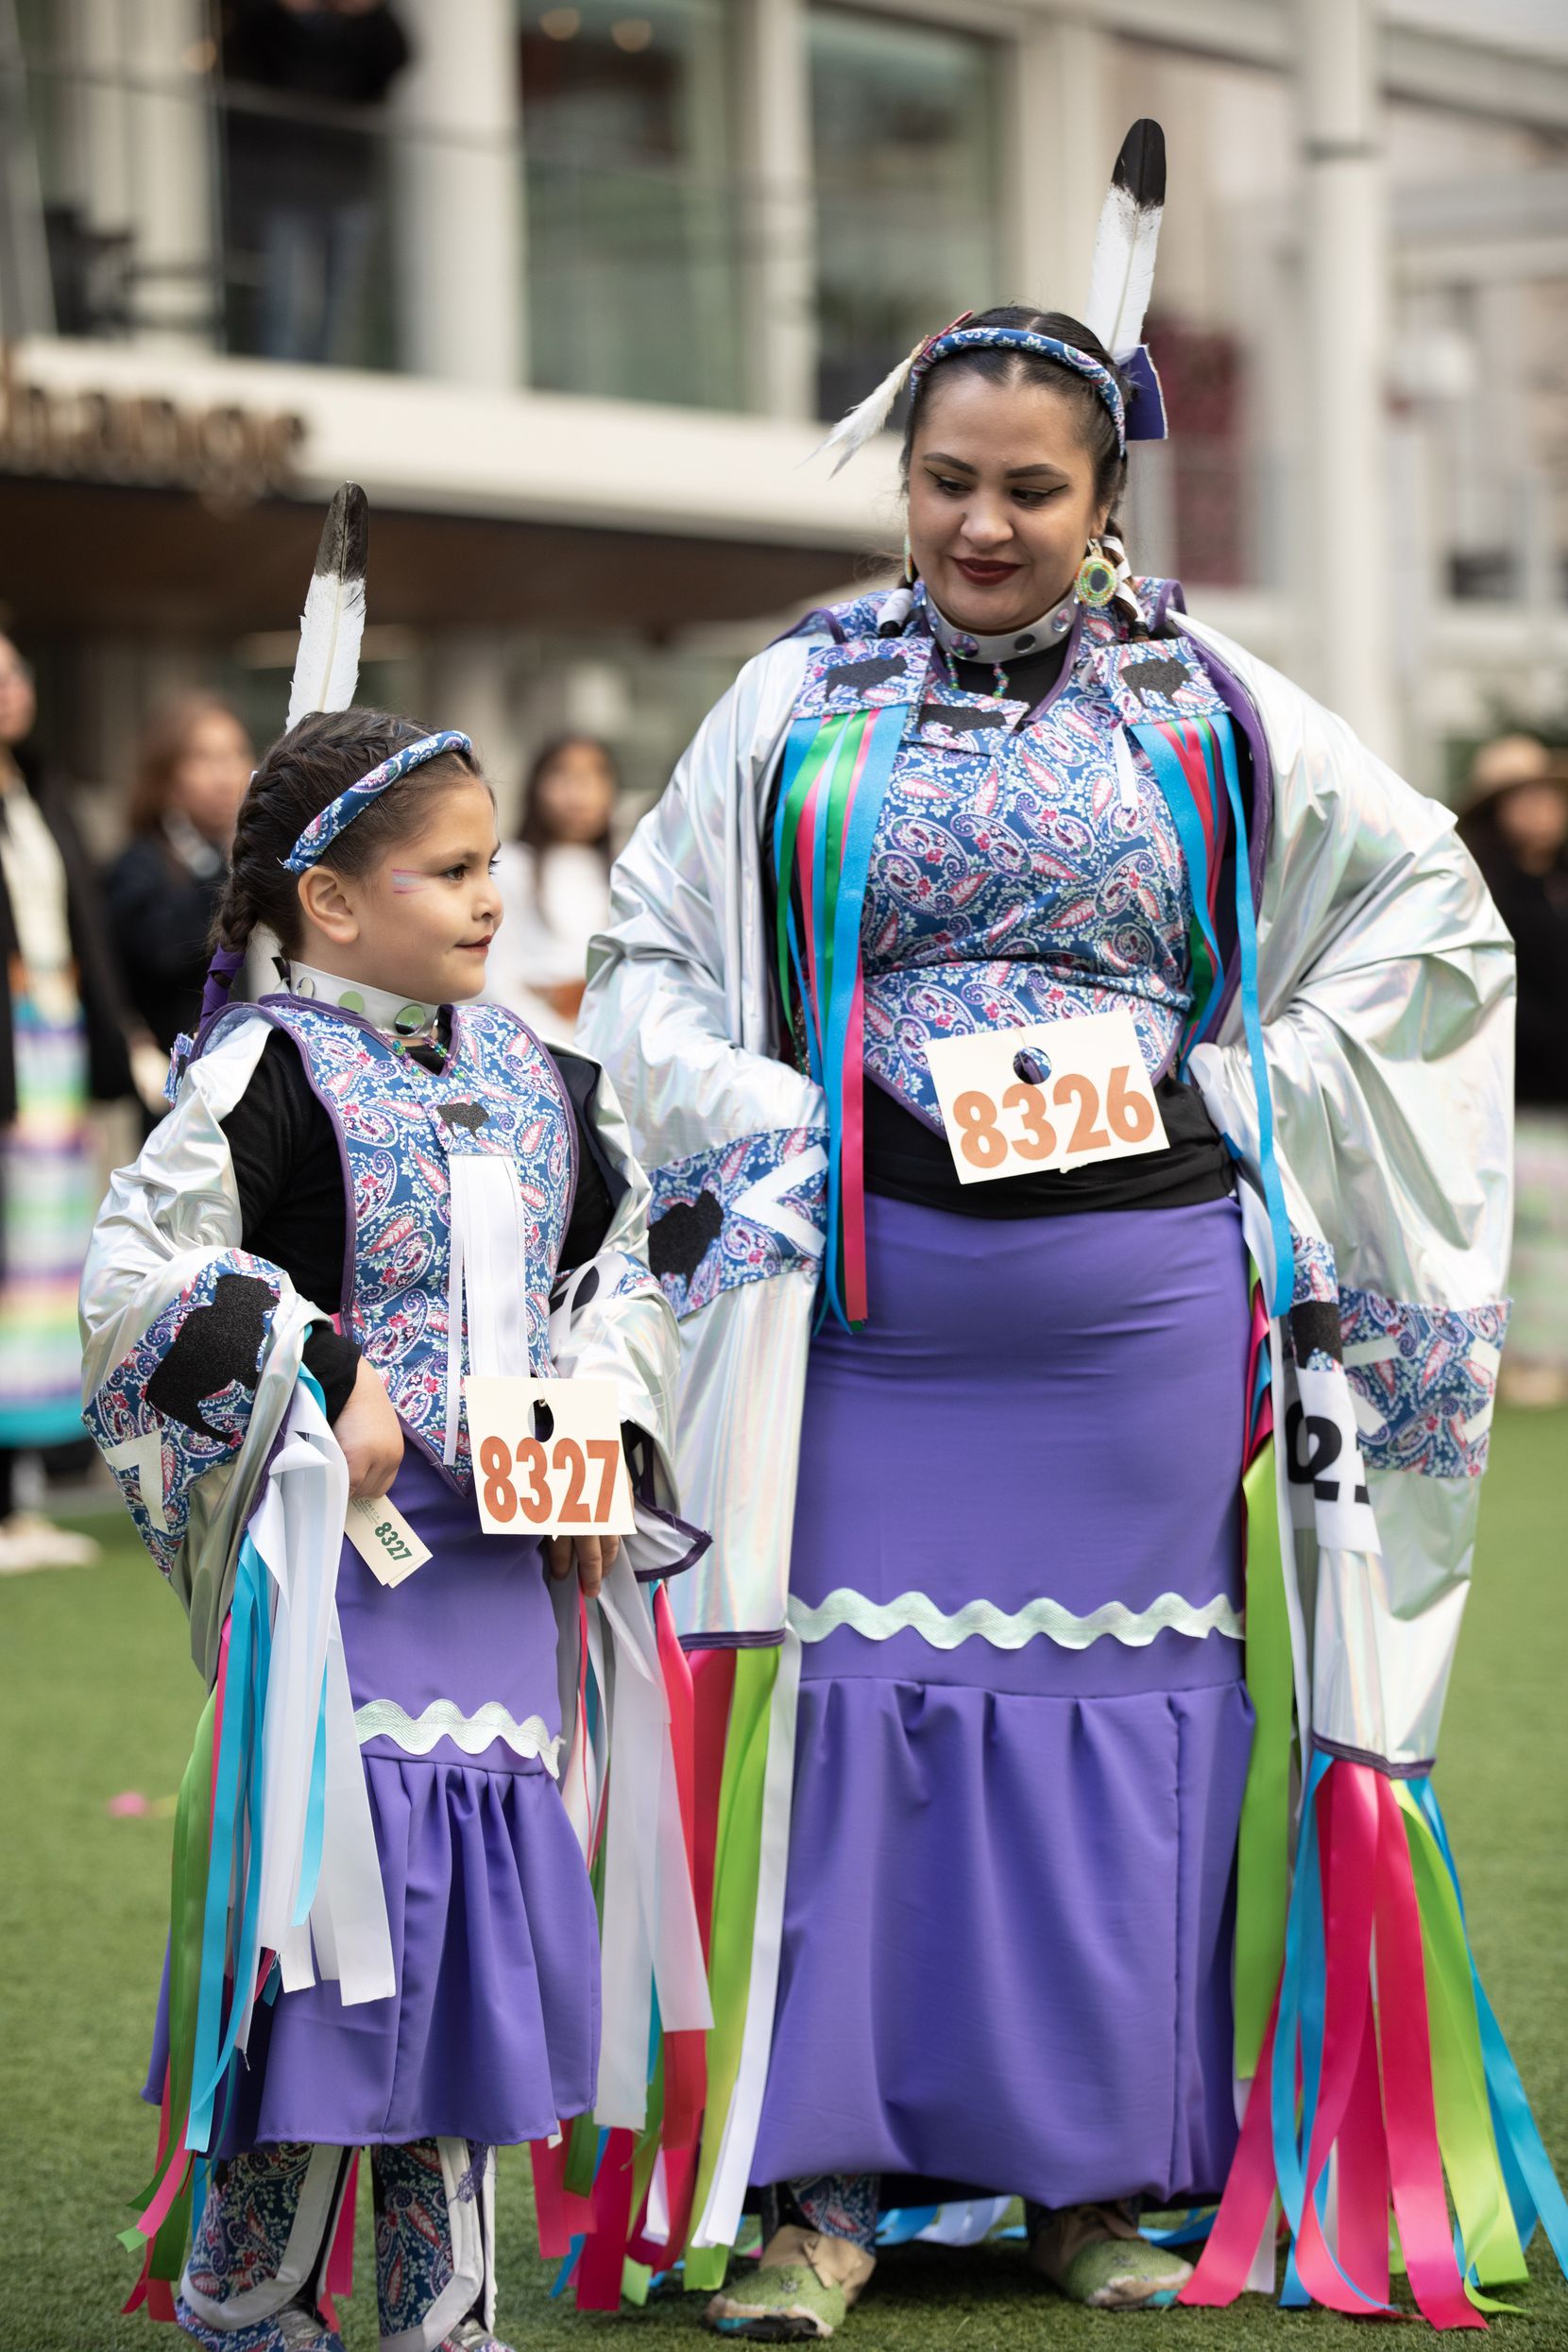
(1140, 166)
(326, 670)
(1123, 275)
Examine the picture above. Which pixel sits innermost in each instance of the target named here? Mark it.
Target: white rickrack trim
(443, 1719)
(982, 1620)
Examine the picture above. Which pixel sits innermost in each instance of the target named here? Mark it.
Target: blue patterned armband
(740, 1212)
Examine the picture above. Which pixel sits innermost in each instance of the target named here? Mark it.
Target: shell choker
(1035, 637)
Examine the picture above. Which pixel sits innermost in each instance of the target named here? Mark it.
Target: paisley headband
(1125, 415)
(320, 833)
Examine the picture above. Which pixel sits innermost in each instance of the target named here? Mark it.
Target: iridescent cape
(1384, 982)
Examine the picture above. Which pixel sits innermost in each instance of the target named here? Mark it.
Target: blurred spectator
(305, 185)
(192, 768)
(554, 883)
(1516, 823)
(61, 1041)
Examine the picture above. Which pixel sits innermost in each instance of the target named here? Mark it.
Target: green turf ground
(100, 1698)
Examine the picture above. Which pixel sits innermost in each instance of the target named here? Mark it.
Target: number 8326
(1127, 1116)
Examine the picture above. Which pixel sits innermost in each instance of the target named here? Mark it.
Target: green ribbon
(737, 1873)
(187, 1911)
(1263, 1848)
(1465, 2131)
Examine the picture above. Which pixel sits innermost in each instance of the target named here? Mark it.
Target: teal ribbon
(1216, 730)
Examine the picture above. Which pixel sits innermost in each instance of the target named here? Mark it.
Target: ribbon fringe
(1384, 2092)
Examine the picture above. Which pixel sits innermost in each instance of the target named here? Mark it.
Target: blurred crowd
(102, 969)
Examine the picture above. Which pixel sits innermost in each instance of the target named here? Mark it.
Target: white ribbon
(486, 1277)
(297, 1531)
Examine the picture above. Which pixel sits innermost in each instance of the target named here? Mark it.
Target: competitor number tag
(1057, 1095)
(384, 1540)
(548, 1458)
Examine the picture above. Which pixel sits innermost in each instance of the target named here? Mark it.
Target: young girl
(369, 1187)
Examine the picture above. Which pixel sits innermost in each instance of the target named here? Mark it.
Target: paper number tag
(1093, 1100)
(558, 1472)
(384, 1540)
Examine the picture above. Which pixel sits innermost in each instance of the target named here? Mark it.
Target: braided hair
(1097, 427)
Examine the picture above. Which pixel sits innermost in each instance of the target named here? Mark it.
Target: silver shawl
(1386, 986)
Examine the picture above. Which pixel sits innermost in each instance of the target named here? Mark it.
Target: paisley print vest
(398, 1126)
(1023, 868)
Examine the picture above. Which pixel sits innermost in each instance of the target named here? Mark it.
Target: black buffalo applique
(681, 1239)
(1315, 1330)
(876, 671)
(473, 1116)
(961, 720)
(1162, 676)
(215, 1347)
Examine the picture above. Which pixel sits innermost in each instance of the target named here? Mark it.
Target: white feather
(331, 627)
(853, 432)
(326, 669)
(1121, 277)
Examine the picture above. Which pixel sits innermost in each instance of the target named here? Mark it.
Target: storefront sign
(228, 453)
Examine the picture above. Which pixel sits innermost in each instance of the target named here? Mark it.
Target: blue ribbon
(1252, 1016)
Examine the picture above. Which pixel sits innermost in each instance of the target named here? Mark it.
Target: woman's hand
(371, 1434)
(593, 1556)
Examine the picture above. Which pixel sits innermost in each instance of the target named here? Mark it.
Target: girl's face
(575, 794)
(211, 776)
(1001, 501)
(18, 702)
(420, 922)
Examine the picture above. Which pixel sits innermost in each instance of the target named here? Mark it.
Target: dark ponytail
(1097, 427)
(306, 769)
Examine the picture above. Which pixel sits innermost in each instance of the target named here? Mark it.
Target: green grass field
(100, 1698)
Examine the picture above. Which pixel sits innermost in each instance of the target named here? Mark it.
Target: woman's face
(211, 773)
(18, 702)
(575, 794)
(1001, 499)
(1533, 819)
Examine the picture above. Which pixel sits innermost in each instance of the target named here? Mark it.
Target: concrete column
(1061, 145)
(1344, 363)
(469, 683)
(773, 155)
(144, 157)
(459, 207)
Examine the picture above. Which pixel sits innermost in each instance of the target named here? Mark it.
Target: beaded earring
(1097, 578)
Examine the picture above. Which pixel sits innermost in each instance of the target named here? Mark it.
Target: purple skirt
(1007, 1935)
(493, 2032)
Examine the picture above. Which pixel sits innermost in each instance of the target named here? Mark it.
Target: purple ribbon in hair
(221, 974)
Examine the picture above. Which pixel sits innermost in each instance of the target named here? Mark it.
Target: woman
(192, 768)
(1515, 824)
(554, 883)
(60, 1043)
(977, 1899)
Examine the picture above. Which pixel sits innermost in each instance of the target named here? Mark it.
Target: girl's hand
(371, 1434)
(593, 1556)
